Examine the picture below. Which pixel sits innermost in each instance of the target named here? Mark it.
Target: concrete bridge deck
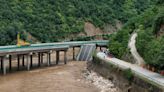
(7, 52)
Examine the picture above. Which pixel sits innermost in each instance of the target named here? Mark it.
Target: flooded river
(62, 78)
(72, 77)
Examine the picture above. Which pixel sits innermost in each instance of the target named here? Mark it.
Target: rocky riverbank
(100, 82)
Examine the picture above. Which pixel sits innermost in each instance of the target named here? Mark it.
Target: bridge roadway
(7, 52)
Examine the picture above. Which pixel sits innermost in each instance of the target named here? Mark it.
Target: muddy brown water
(57, 78)
(62, 78)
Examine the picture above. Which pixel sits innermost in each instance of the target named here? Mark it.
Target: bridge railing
(71, 44)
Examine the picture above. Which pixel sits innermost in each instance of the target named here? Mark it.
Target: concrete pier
(100, 48)
(3, 65)
(23, 61)
(48, 59)
(57, 57)
(73, 53)
(39, 59)
(10, 62)
(31, 60)
(18, 59)
(28, 62)
(65, 57)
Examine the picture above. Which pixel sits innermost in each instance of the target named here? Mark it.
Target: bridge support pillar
(28, 63)
(57, 57)
(65, 57)
(100, 48)
(73, 53)
(10, 62)
(23, 61)
(96, 46)
(49, 56)
(3, 65)
(18, 61)
(48, 59)
(31, 60)
(39, 59)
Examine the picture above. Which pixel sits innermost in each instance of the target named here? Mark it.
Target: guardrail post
(57, 57)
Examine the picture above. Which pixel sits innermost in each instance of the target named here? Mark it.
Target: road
(149, 76)
(139, 60)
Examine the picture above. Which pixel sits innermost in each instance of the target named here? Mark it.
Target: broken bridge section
(86, 52)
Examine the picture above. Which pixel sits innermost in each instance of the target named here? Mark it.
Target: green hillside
(54, 20)
(150, 40)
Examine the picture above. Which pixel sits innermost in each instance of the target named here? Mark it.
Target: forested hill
(51, 20)
(150, 40)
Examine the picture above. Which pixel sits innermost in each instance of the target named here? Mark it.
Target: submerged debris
(103, 84)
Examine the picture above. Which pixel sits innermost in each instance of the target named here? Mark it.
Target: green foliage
(118, 43)
(54, 20)
(159, 20)
(160, 59)
(147, 23)
(149, 45)
(128, 74)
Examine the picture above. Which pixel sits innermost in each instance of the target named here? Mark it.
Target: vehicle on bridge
(21, 42)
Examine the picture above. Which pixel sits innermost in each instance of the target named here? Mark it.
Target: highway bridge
(7, 52)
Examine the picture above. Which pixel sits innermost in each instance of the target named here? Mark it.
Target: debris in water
(103, 84)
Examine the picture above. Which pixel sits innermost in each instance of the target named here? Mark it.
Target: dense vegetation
(150, 40)
(55, 20)
(118, 42)
(52, 20)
